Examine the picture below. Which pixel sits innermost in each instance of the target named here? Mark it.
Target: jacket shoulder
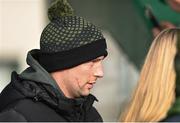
(11, 115)
(34, 110)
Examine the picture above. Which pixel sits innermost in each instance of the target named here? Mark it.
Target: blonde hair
(155, 91)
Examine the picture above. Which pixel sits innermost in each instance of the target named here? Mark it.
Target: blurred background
(126, 24)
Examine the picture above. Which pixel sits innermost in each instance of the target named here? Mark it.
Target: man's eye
(96, 60)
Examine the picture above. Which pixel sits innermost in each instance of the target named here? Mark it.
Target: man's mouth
(90, 85)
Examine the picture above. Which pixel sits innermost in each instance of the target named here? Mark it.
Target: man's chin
(86, 93)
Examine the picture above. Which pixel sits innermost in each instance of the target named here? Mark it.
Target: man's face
(79, 80)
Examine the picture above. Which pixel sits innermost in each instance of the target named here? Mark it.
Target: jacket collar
(46, 93)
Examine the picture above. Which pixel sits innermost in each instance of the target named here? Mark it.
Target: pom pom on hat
(60, 8)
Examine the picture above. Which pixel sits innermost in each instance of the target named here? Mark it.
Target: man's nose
(99, 70)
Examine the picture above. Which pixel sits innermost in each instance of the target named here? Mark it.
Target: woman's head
(155, 91)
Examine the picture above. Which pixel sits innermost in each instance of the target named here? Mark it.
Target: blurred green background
(126, 21)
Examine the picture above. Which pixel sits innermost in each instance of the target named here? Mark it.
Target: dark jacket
(34, 96)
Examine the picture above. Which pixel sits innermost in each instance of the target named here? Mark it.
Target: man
(56, 86)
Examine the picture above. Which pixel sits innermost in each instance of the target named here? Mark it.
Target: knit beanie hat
(69, 40)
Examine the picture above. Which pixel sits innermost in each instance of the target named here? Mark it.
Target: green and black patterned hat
(69, 40)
